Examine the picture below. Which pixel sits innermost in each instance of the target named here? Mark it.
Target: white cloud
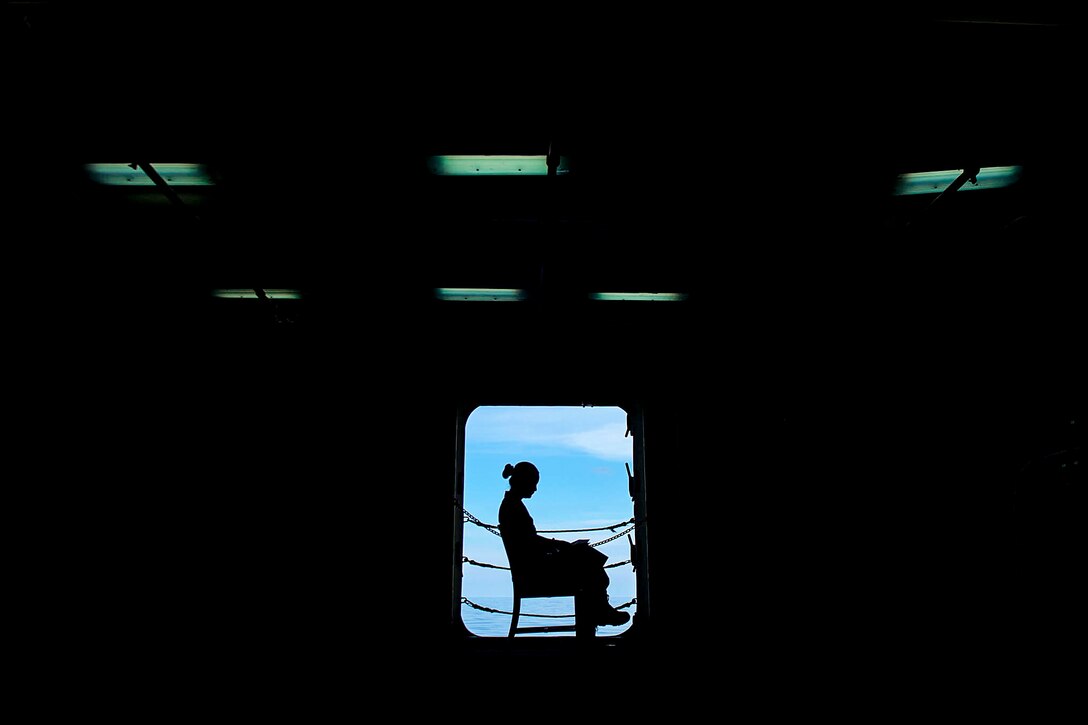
(605, 442)
(593, 431)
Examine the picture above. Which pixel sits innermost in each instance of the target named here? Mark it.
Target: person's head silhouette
(523, 478)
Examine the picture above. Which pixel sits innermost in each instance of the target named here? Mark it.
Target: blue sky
(580, 453)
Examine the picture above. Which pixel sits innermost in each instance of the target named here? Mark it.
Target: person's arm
(552, 546)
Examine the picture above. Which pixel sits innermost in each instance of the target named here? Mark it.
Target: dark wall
(856, 424)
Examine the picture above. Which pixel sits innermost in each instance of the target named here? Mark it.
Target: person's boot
(608, 615)
(612, 617)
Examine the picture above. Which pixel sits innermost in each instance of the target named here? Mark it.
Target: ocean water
(487, 624)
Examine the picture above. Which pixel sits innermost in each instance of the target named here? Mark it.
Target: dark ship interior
(861, 413)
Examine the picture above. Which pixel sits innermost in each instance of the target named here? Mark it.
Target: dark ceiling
(744, 134)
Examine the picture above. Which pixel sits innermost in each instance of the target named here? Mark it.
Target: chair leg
(514, 617)
(584, 628)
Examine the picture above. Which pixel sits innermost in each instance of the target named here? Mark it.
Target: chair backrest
(514, 563)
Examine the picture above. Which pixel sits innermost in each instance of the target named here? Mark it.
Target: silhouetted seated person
(550, 562)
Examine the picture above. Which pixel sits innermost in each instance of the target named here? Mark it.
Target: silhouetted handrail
(613, 527)
(469, 518)
(494, 528)
(466, 560)
(474, 605)
(622, 533)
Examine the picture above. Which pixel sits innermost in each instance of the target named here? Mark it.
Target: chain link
(613, 538)
(469, 518)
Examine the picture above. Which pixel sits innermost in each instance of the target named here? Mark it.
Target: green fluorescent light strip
(479, 294)
(934, 182)
(493, 165)
(638, 296)
(249, 294)
(125, 175)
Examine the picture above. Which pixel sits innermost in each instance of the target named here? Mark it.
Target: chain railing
(494, 528)
(466, 560)
(470, 519)
(613, 538)
(481, 608)
(612, 528)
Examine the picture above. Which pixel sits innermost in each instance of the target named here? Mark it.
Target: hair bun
(508, 471)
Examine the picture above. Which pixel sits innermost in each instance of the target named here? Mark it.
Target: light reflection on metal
(934, 182)
(638, 296)
(126, 175)
(251, 294)
(493, 165)
(479, 294)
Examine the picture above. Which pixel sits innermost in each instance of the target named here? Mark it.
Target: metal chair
(525, 587)
(525, 590)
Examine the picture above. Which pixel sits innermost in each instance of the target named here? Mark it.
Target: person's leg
(582, 568)
(593, 580)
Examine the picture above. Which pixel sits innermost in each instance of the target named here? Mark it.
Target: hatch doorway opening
(583, 455)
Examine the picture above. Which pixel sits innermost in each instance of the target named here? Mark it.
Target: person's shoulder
(509, 503)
